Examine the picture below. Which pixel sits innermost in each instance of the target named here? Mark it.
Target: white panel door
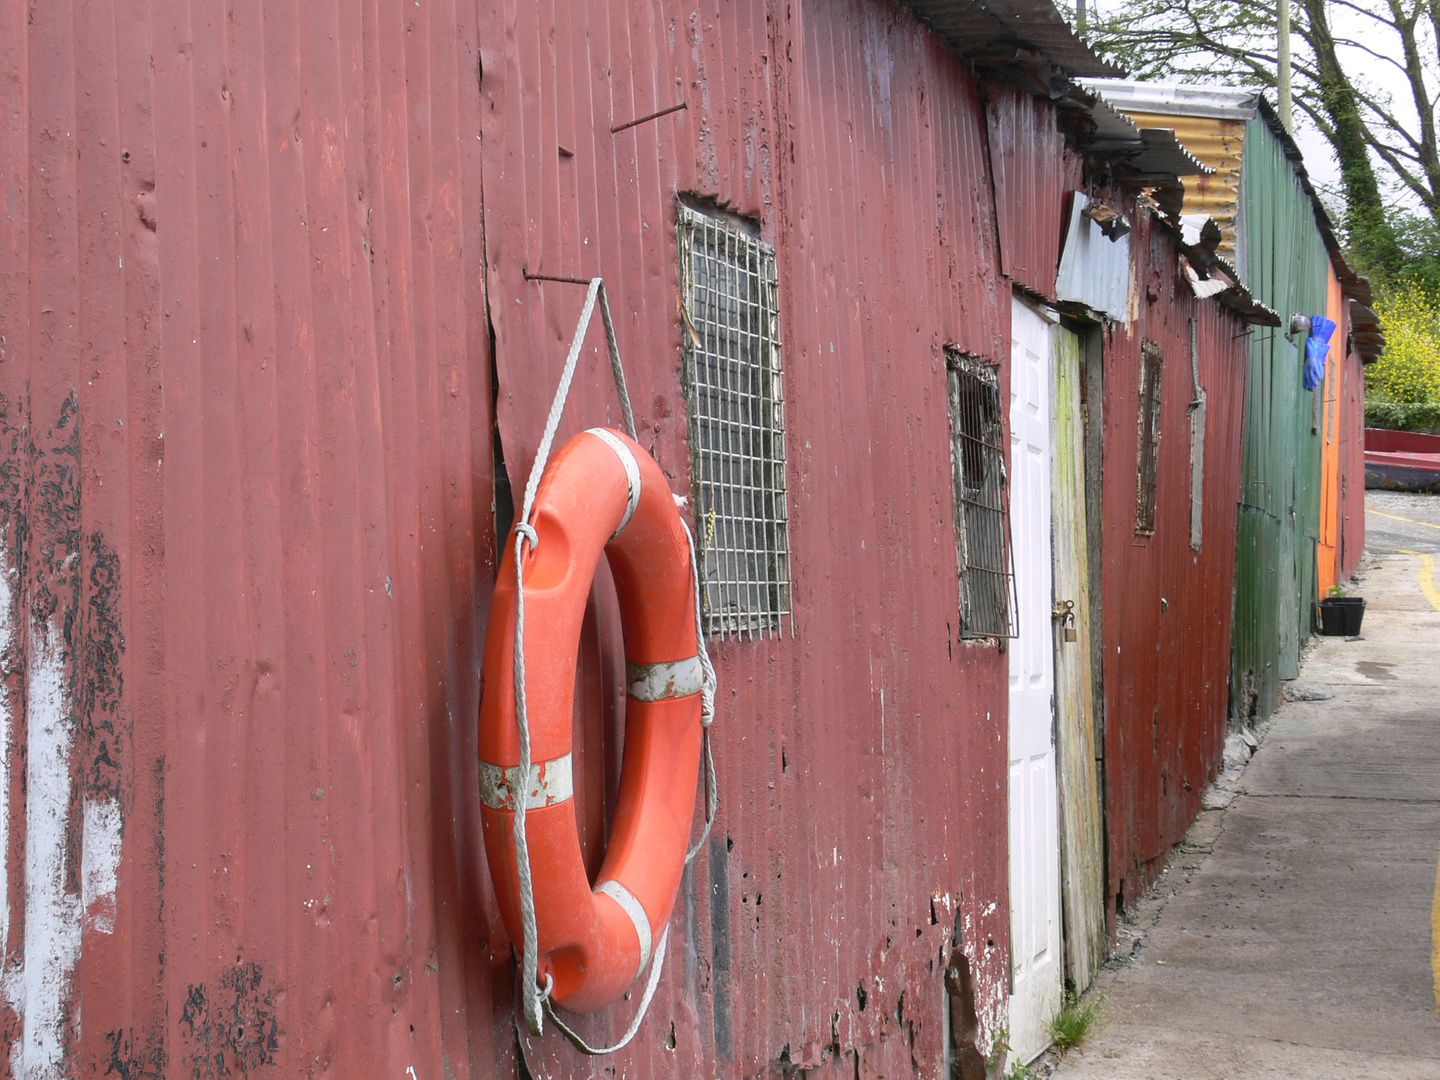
(1036, 959)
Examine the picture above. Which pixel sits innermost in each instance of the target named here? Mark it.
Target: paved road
(1295, 934)
(1396, 520)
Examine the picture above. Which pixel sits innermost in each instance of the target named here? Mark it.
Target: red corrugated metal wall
(247, 521)
(1034, 175)
(862, 767)
(1167, 607)
(246, 412)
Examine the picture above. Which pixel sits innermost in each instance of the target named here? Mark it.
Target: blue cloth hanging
(1317, 348)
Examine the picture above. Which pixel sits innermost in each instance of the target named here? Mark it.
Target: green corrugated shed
(1285, 264)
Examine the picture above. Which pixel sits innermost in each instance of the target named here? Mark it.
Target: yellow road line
(1397, 517)
(1427, 569)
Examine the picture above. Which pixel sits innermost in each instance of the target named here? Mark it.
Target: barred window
(733, 389)
(982, 511)
(1151, 365)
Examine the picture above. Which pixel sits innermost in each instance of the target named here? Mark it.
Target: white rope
(525, 534)
(708, 683)
(535, 1002)
(615, 366)
(657, 964)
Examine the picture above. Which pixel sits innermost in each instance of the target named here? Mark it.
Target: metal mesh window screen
(982, 513)
(1151, 365)
(736, 400)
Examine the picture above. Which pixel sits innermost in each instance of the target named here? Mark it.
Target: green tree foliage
(1408, 372)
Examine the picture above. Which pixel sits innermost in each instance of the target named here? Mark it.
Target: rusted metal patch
(232, 1027)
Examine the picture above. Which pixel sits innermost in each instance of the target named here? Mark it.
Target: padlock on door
(1065, 612)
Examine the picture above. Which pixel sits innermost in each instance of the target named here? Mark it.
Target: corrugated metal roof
(993, 29)
(1113, 129)
(1219, 142)
(1210, 122)
(1164, 155)
(1176, 99)
(1207, 121)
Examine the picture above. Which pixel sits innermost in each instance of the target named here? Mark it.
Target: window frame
(982, 510)
(1147, 481)
(732, 377)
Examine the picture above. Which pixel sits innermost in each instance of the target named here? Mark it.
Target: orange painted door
(1329, 407)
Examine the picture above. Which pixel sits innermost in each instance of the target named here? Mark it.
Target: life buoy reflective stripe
(601, 494)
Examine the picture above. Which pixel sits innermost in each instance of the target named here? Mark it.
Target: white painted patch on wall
(100, 864)
(52, 916)
(7, 724)
(40, 987)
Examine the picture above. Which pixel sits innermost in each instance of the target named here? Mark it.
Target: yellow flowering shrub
(1408, 371)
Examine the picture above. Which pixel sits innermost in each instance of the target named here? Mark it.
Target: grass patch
(1073, 1024)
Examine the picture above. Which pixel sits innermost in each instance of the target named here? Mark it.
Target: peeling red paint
(1167, 608)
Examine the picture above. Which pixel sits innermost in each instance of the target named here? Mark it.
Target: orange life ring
(600, 493)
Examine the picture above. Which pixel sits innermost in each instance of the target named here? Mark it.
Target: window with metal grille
(1151, 363)
(730, 305)
(982, 511)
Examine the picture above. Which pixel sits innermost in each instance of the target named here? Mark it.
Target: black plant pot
(1340, 616)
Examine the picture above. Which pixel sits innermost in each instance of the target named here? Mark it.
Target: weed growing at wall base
(1073, 1024)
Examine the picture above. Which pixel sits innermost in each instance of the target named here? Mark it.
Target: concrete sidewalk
(1292, 936)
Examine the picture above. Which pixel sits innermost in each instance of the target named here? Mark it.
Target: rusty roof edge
(1040, 22)
(1205, 260)
(976, 29)
(1239, 296)
(1110, 147)
(1184, 99)
(1165, 140)
(1117, 134)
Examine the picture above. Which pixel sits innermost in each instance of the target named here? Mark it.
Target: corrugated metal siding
(1167, 619)
(246, 468)
(839, 865)
(1275, 587)
(247, 522)
(1218, 142)
(1034, 176)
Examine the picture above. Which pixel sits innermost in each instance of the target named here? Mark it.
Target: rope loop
(536, 1002)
